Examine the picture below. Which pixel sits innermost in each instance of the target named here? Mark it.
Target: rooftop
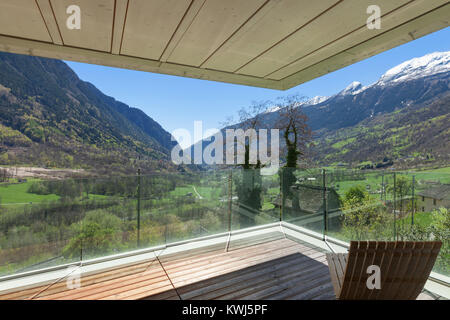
(439, 192)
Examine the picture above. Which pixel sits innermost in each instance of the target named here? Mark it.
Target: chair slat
(351, 269)
(333, 273)
(370, 258)
(379, 260)
(411, 275)
(399, 285)
(427, 258)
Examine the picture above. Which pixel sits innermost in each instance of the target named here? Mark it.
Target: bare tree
(293, 122)
(249, 182)
(249, 119)
(297, 135)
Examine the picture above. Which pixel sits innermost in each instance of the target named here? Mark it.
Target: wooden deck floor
(277, 268)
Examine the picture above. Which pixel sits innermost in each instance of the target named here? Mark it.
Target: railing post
(139, 209)
(230, 206)
(230, 198)
(395, 206)
(412, 200)
(281, 194)
(81, 242)
(325, 214)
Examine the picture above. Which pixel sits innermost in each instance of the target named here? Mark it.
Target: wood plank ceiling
(275, 44)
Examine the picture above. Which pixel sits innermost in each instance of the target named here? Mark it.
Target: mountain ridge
(337, 119)
(48, 104)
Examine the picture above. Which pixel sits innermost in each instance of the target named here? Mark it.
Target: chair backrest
(404, 268)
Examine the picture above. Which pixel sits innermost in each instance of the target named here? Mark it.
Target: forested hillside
(51, 118)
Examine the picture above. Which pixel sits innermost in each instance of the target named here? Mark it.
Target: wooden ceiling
(275, 44)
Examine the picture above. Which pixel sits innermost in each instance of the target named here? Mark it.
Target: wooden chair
(404, 268)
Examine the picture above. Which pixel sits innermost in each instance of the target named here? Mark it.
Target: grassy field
(423, 219)
(18, 194)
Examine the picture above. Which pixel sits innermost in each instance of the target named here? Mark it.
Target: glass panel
(425, 214)
(254, 199)
(48, 223)
(303, 198)
(110, 226)
(379, 205)
(195, 205)
(38, 219)
(364, 207)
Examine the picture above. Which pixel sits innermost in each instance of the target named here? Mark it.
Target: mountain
(413, 136)
(402, 119)
(411, 83)
(51, 118)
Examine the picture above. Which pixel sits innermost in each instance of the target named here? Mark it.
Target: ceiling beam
(48, 50)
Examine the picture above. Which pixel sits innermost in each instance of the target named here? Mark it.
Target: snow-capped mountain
(418, 68)
(310, 102)
(433, 63)
(352, 88)
(414, 90)
(413, 82)
(316, 100)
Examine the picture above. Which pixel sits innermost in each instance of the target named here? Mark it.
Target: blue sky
(177, 102)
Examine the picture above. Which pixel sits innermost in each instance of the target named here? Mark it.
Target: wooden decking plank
(192, 263)
(137, 292)
(189, 261)
(228, 267)
(225, 260)
(250, 278)
(322, 286)
(257, 291)
(114, 292)
(166, 295)
(258, 284)
(211, 282)
(100, 277)
(300, 287)
(324, 296)
(262, 293)
(215, 264)
(206, 251)
(107, 285)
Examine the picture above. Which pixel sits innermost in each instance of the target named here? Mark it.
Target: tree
(438, 229)
(361, 219)
(401, 190)
(98, 234)
(248, 187)
(297, 134)
(356, 194)
(293, 122)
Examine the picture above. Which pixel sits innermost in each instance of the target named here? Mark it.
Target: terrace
(280, 256)
(166, 241)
